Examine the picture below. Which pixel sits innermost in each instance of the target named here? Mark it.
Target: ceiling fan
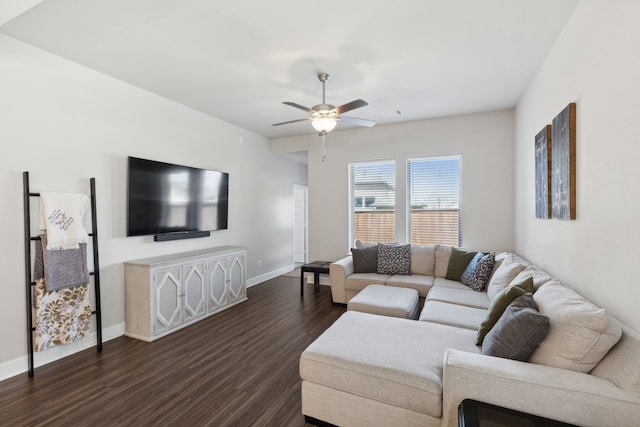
(324, 117)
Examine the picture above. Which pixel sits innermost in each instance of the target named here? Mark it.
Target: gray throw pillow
(478, 271)
(518, 332)
(500, 303)
(394, 259)
(526, 300)
(365, 260)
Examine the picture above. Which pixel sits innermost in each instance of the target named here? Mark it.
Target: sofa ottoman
(386, 301)
(378, 371)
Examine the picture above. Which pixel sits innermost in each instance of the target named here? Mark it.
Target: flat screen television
(175, 201)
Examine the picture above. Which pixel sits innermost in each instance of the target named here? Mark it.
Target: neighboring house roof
(373, 186)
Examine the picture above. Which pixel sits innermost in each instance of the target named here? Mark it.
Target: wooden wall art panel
(543, 173)
(563, 161)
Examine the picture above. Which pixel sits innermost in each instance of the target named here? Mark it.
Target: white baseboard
(20, 365)
(270, 275)
(324, 278)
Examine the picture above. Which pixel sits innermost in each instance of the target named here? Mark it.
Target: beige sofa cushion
(423, 259)
(581, 333)
(391, 360)
(420, 283)
(467, 297)
(502, 277)
(441, 282)
(497, 262)
(443, 253)
(539, 277)
(460, 316)
(622, 364)
(359, 281)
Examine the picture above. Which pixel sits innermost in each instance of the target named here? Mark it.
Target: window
(372, 201)
(434, 200)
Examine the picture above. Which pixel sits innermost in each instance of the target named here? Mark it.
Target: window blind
(372, 201)
(434, 200)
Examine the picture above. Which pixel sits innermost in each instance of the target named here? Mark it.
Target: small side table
(315, 267)
(472, 413)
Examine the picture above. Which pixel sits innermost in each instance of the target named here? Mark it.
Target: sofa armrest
(555, 393)
(338, 273)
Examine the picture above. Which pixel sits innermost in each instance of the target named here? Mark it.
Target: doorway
(300, 218)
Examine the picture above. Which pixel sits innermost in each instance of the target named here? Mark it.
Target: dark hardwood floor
(236, 368)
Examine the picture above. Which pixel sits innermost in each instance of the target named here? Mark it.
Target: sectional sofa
(371, 370)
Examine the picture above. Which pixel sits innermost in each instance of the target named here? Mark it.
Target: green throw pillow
(526, 284)
(458, 262)
(499, 305)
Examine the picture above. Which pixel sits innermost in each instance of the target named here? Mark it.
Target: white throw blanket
(62, 216)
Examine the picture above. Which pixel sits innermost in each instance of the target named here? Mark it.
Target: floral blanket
(61, 316)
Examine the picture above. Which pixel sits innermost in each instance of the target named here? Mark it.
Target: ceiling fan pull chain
(324, 151)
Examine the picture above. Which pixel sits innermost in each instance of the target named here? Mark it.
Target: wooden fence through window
(429, 226)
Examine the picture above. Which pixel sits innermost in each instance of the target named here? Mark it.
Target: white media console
(169, 292)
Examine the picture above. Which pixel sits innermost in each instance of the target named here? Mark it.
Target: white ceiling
(237, 60)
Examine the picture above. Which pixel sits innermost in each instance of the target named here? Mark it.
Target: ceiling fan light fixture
(325, 117)
(323, 123)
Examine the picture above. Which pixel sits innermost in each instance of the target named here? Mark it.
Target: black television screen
(166, 198)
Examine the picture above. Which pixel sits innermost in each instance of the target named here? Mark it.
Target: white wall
(65, 123)
(595, 63)
(484, 140)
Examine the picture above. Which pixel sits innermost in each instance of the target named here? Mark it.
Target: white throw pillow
(423, 259)
(539, 279)
(581, 333)
(497, 262)
(502, 277)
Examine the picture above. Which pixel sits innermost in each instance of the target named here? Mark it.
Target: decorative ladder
(30, 285)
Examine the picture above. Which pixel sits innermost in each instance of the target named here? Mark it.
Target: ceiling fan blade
(302, 107)
(358, 103)
(357, 121)
(291, 121)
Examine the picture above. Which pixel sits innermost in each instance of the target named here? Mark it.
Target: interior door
(300, 241)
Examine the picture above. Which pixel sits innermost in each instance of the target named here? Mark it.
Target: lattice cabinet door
(167, 308)
(194, 290)
(236, 277)
(218, 291)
